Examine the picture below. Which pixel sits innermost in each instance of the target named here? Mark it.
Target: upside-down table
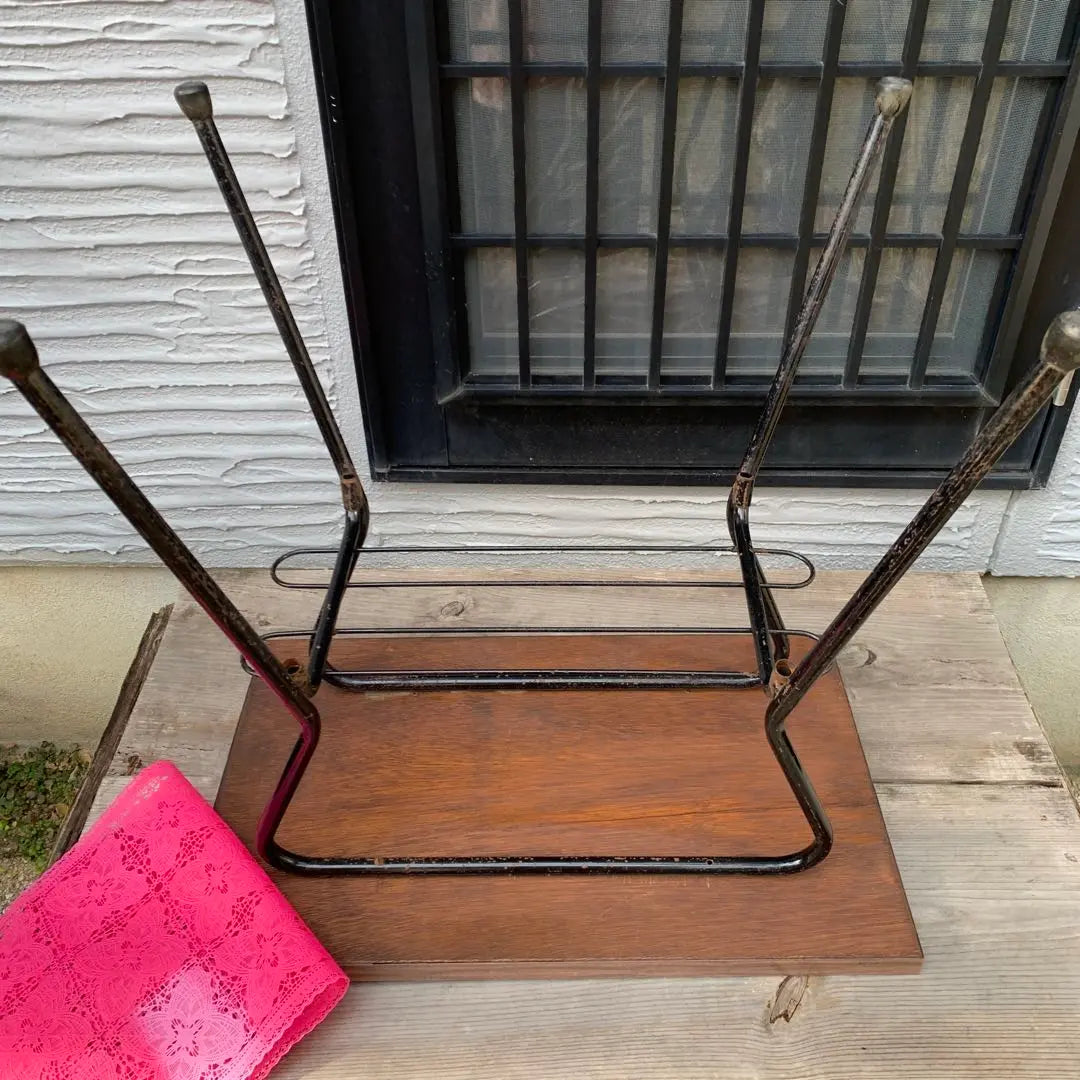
(986, 835)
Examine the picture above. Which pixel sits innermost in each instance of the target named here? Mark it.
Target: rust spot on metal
(781, 672)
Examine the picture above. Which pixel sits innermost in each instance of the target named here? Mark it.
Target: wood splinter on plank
(787, 999)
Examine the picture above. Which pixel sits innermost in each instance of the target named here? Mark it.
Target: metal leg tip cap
(893, 94)
(194, 99)
(18, 357)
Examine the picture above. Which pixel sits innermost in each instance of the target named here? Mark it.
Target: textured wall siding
(1040, 535)
(118, 256)
(839, 529)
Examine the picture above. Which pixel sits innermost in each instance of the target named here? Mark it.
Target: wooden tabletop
(985, 832)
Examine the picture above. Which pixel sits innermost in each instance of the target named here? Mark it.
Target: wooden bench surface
(986, 835)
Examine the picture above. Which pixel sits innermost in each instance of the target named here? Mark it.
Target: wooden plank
(993, 875)
(188, 706)
(646, 772)
(932, 687)
(72, 828)
(987, 842)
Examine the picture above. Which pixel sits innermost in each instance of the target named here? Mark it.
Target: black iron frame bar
(769, 69)
(530, 550)
(834, 33)
(996, 29)
(883, 201)
(195, 102)
(592, 186)
(517, 124)
(19, 363)
(668, 123)
(543, 679)
(744, 129)
(890, 103)
(566, 678)
(980, 241)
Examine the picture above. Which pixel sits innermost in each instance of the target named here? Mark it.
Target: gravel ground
(15, 875)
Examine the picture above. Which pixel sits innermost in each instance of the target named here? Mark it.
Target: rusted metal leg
(19, 363)
(196, 104)
(892, 98)
(1059, 358)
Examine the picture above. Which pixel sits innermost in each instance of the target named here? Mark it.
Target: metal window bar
(743, 131)
(667, 173)
(592, 186)
(521, 227)
(440, 210)
(883, 202)
(456, 362)
(830, 55)
(852, 69)
(980, 241)
(965, 163)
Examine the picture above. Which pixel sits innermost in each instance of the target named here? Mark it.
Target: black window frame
(391, 175)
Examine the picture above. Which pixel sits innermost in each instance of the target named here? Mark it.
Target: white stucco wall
(1040, 535)
(117, 254)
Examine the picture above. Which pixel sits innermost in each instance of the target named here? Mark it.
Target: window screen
(639, 186)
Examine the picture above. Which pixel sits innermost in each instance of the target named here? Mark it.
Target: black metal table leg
(195, 102)
(893, 95)
(19, 363)
(1059, 358)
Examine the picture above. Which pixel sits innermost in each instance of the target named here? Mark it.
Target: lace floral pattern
(157, 949)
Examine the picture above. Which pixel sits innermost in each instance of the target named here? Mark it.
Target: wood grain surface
(511, 772)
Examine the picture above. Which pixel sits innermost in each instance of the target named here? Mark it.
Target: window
(575, 230)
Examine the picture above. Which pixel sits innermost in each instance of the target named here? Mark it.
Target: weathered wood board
(986, 837)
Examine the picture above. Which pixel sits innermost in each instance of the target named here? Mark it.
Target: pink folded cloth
(158, 949)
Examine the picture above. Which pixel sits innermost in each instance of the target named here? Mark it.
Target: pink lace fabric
(157, 949)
